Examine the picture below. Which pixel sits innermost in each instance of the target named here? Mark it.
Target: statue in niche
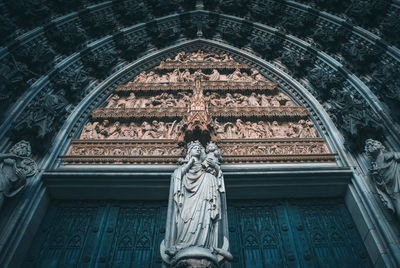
(15, 168)
(385, 174)
(197, 229)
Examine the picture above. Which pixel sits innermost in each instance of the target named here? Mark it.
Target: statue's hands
(20, 173)
(213, 164)
(191, 161)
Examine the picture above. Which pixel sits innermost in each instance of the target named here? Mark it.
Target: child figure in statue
(212, 164)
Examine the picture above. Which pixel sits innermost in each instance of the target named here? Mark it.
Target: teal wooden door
(99, 234)
(295, 233)
(290, 233)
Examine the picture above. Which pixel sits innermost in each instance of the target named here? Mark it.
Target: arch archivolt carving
(291, 44)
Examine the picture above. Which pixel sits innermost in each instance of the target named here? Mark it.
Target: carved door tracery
(198, 96)
(271, 233)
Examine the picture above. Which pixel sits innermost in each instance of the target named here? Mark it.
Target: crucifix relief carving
(199, 96)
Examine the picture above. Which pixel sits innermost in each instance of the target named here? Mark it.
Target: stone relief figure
(15, 167)
(261, 130)
(385, 174)
(196, 229)
(89, 131)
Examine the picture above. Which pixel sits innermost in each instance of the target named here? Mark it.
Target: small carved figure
(149, 131)
(114, 131)
(240, 128)
(101, 129)
(89, 131)
(253, 100)
(174, 76)
(214, 76)
(277, 131)
(15, 168)
(275, 102)
(256, 75)
(113, 101)
(141, 78)
(130, 101)
(229, 100)
(186, 76)
(265, 100)
(235, 76)
(385, 174)
(230, 131)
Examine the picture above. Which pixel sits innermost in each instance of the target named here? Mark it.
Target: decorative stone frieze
(251, 120)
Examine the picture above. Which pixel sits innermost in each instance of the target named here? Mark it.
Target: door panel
(295, 233)
(283, 233)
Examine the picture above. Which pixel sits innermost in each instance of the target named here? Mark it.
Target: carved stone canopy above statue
(199, 96)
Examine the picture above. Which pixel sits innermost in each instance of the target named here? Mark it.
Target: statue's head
(211, 147)
(195, 148)
(373, 148)
(22, 149)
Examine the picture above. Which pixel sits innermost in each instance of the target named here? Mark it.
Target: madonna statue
(197, 229)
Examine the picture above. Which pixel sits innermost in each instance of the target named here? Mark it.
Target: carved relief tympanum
(198, 96)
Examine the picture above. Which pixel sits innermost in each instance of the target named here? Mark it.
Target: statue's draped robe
(388, 181)
(197, 210)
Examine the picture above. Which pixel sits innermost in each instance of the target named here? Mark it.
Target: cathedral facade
(295, 103)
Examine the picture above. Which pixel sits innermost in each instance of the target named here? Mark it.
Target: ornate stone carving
(197, 226)
(262, 130)
(99, 64)
(42, 118)
(167, 151)
(38, 56)
(144, 130)
(231, 104)
(66, 40)
(385, 174)
(73, 83)
(15, 168)
(297, 63)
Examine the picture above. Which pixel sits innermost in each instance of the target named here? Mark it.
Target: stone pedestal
(195, 263)
(195, 257)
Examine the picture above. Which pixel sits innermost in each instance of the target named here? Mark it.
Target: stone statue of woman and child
(197, 227)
